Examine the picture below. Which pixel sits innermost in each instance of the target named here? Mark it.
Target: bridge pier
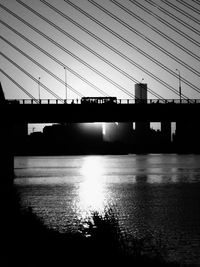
(6, 149)
(6, 156)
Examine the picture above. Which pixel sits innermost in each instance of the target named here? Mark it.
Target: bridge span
(57, 111)
(123, 110)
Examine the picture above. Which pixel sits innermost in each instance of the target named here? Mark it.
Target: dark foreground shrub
(27, 242)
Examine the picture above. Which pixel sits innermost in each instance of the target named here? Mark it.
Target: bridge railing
(158, 101)
(38, 101)
(119, 101)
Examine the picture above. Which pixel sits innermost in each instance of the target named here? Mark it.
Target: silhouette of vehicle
(98, 100)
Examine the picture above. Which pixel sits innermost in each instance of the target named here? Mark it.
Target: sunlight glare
(103, 125)
(91, 190)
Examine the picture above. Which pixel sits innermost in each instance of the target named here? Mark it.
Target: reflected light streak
(92, 189)
(103, 125)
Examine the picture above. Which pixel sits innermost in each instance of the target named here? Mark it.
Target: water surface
(152, 195)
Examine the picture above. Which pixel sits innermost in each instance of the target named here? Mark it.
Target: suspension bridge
(101, 49)
(158, 54)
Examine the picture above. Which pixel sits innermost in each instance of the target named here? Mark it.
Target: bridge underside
(99, 113)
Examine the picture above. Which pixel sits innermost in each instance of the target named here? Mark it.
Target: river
(155, 195)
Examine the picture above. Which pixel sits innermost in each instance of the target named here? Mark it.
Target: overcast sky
(95, 68)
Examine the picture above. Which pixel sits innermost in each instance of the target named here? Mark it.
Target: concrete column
(6, 156)
(6, 148)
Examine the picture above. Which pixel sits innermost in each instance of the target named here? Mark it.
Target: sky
(118, 43)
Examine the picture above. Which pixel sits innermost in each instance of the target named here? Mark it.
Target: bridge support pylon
(6, 157)
(6, 150)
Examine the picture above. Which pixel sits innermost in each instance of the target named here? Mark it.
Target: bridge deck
(51, 113)
(118, 101)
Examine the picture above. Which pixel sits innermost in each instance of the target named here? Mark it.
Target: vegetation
(28, 242)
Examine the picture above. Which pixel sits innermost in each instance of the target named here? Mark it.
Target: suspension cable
(30, 76)
(99, 56)
(121, 38)
(181, 11)
(99, 40)
(179, 20)
(85, 46)
(182, 2)
(169, 25)
(143, 53)
(160, 33)
(152, 59)
(118, 36)
(77, 41)
(19, 86)
(53, 58)
(41, 66)
(121, 88)
(196, 2)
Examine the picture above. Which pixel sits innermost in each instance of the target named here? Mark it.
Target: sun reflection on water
(91, 192)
